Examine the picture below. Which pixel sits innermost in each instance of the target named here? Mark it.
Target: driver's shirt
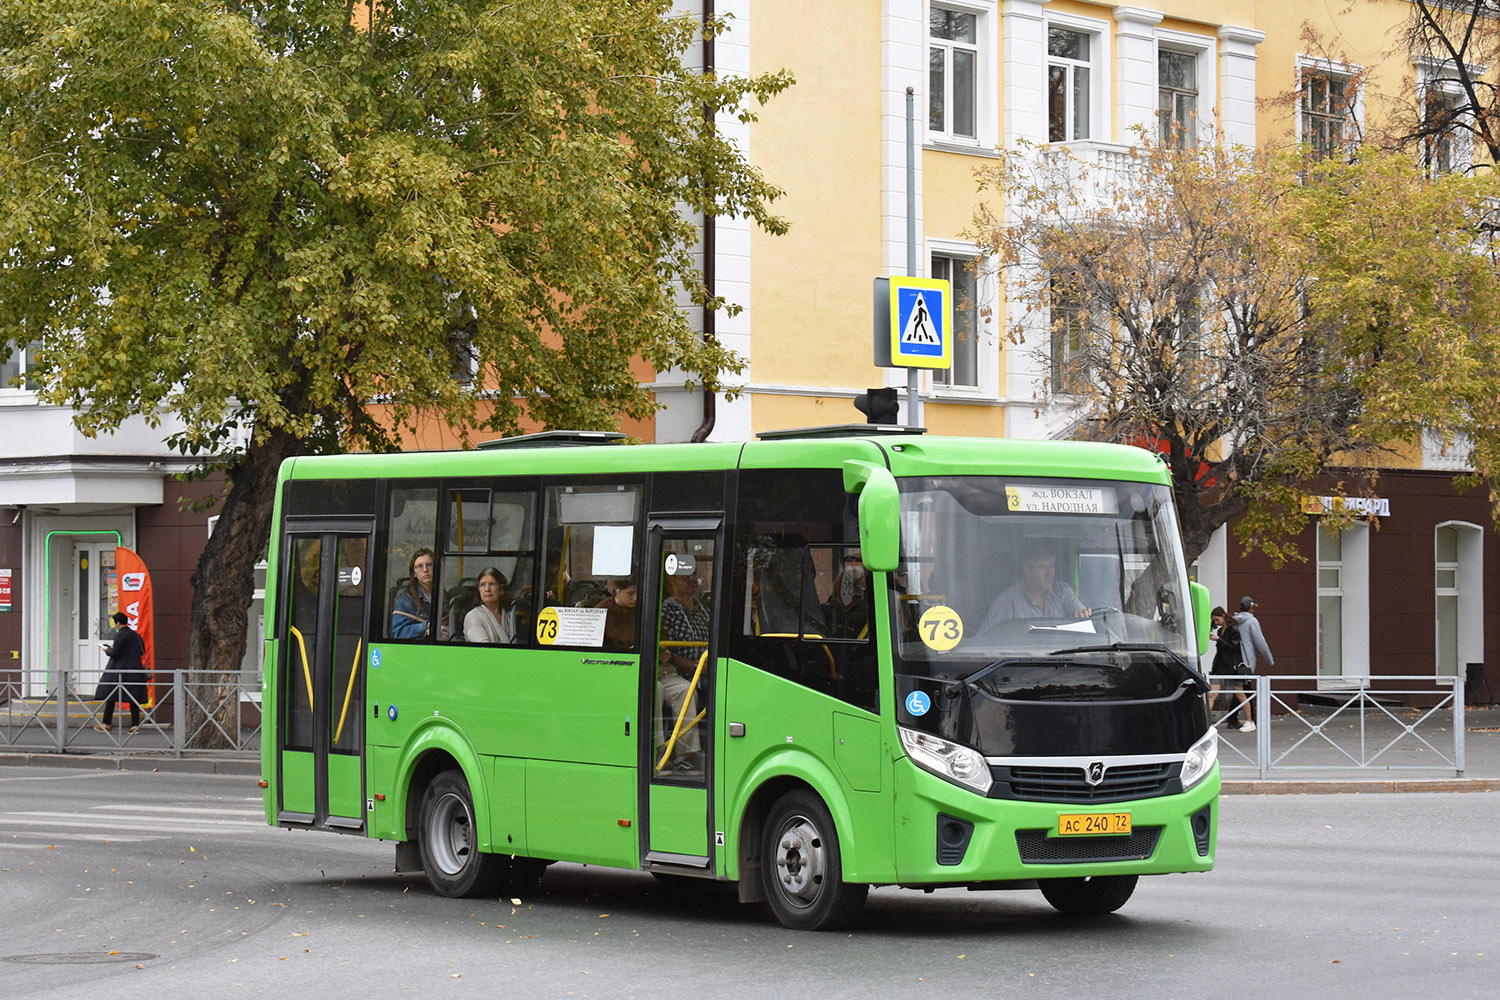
(1059, 602)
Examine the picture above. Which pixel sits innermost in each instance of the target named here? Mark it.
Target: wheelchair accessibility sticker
(918, 703)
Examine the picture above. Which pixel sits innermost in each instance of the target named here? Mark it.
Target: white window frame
(986, 77)
(1053, 374)
(1461, 579)
(1350, 73)
(1353, 595)
(1100, 69)
(986, 346)
(20, 355)
(1206, 52)
(1435, 75)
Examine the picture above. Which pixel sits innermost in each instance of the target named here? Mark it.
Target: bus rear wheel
(1095, 894)
(801, 867)
(450, 841)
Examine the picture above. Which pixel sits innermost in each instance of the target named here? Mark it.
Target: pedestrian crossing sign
(921, 323)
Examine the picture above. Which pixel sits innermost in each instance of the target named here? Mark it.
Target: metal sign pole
(913, 401)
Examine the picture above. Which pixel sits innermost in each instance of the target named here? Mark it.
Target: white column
(1135, 66)
(1237, 83)
(1024, 51)
(903, 58)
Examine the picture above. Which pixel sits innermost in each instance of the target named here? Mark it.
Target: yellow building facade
(985, 75)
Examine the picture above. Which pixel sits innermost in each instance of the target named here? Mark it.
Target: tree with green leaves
(1257, 319)
(293, 221)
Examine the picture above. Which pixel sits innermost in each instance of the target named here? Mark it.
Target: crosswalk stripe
(43, 839)
(104, 828)
(175, 810)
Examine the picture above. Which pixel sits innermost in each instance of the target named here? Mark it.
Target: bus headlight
(1200, 759)
(957, 763)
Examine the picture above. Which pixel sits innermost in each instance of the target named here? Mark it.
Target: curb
(179, 765)
(1368, 786)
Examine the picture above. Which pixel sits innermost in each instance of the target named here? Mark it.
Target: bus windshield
(1004, 566)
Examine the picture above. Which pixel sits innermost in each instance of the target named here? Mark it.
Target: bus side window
(592, 541)
(412, 529)
(487, 532)
(801, 595)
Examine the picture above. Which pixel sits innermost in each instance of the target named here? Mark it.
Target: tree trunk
(223, 587)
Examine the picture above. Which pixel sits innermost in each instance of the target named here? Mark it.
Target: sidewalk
(1398, 760)
(148, 750)
(1405, 765)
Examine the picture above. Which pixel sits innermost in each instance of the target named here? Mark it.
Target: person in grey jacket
(1253, 645)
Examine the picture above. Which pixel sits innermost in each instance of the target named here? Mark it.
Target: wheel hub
(800, 862)
(452, 834)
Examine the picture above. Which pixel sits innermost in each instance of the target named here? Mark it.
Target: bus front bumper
(946, 834)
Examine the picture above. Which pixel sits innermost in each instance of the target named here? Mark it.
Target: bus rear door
(320, 732)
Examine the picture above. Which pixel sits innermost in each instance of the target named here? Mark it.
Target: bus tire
(450, 841)
(1091, 895)
(802, 869)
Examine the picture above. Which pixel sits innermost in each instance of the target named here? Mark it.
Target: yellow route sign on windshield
(940, 628)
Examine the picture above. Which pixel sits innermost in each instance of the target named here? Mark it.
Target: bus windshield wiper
(1140, 647)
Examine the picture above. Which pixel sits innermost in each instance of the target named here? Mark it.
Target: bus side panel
(387, 821)
(297, 794)
(543, 704)
(574, 812)
(345, 784)
(508, 805)
(270, 730)
(793, 731)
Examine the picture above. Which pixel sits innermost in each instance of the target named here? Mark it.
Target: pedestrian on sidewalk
(124, 675)
(1253, 647)
(1229, 658)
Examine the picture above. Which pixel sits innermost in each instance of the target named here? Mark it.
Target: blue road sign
(921, 323)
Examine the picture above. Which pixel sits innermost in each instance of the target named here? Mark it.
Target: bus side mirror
(1200, 615)
(879, 513)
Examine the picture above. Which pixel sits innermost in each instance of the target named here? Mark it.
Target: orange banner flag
(136, 603)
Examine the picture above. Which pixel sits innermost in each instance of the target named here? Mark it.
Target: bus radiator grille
(1038, 848)
(1067, 784)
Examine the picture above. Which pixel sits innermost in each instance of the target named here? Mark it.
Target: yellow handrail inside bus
(687, 699)
(353, 672)
(306, 670)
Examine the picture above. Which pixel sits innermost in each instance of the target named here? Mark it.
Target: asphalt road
(161, 885)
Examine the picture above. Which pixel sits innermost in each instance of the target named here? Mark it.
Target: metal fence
(47, 712)
(1301, 728)
(1361, 729)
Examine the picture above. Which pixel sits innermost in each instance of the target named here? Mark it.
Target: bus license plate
(1092, 824)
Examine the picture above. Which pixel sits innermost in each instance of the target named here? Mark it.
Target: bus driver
(1038, 594)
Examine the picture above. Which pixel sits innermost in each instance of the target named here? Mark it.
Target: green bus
(806, 664)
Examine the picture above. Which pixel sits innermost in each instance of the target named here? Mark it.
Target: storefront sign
(1359, 506)
(4, 589)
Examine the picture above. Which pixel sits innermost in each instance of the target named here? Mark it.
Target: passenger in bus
(619, 622)
(684, 619)
(412, 616)
(1038, 594)
(488, 622)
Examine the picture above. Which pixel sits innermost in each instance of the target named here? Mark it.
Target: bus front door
(320, 730)
(679, 672)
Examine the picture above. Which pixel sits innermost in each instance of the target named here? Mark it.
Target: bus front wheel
(1096, 894)
(450, 841)
(801, 867)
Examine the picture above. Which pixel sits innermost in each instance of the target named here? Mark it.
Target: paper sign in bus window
(612, 548)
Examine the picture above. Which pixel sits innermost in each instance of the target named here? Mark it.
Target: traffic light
(878, 405)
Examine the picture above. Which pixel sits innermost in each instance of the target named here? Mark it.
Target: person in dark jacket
(124, 675)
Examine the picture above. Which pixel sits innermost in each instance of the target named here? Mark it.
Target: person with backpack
(1229, 658)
